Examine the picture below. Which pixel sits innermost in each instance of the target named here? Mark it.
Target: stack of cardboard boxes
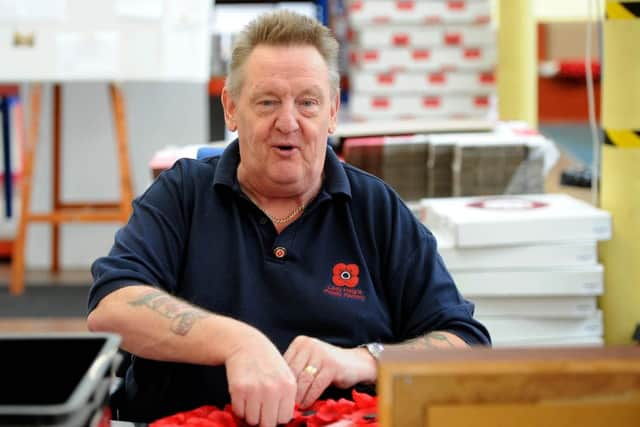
(506, 160)
(421, 58)
(528, 262)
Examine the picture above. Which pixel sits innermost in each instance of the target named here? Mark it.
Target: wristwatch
(375, 349)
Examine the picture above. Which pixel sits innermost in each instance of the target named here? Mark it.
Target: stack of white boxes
(421, 58)
(528, 262)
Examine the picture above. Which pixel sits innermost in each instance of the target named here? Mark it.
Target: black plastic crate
(61, 379)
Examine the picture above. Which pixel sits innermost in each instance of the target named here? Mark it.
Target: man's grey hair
(282, 28)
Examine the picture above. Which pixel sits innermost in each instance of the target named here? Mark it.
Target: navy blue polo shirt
(356, 267)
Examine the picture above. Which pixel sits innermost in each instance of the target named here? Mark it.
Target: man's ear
(333, 114)
(229, 107)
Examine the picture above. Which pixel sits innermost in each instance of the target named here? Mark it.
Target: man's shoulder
(363, 178)
(194, 170)
(367, 186)
(195, 166)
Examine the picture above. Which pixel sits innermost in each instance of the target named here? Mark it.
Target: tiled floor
(43, 324)
(45, 277)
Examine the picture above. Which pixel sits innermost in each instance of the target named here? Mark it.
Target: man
(255, 277)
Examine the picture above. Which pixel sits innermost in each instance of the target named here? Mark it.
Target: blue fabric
(5, 108)
(204, 152)
(195, 234)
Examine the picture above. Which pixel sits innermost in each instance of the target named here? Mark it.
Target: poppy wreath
(362, 410)
(345, 275)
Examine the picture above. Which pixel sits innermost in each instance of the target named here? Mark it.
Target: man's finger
(252, 410)
(298, 363)
(321, 381)
(269, 413)
(238, 405)
(305, 378)
(289, 354)
(285, 409)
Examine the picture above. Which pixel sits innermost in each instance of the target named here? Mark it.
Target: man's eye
(267, 103)
(307, 103)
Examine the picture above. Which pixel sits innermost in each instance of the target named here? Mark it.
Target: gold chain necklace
(281, 220)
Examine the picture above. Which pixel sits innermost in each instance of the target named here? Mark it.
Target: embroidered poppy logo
(345, 275)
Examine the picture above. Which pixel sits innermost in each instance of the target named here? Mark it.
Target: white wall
(158, 114)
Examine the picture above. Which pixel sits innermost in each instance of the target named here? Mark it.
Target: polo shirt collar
(335, 178)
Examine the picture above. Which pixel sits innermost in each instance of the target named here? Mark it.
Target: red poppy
(345, 275)
(361, 411)
(332, 411)
(364, 401)
(204, 416)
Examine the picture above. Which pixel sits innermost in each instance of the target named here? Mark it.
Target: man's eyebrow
(262, 93)
(312, 90)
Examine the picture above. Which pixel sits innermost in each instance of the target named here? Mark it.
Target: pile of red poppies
(363, 409)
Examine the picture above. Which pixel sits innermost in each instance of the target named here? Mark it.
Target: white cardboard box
(584, 280)
(375, 36)
(423, 83)
(448, 58)
(560, 254)
(522, 219)
(407, 106)
(514, 329)
(591, 341)
(556, 306)
(366, 12)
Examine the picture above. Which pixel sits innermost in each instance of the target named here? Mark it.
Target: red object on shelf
(6, 248)
(576, 69)
(9, 90)
(564, 100)
(215, 85)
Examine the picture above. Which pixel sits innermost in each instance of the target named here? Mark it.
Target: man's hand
(261, 385)
(317, 365)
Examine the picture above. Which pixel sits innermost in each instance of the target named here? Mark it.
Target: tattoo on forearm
(431, 340)
(183, 315)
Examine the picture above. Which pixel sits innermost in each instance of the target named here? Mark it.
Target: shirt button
(263, 221)
(279, 252)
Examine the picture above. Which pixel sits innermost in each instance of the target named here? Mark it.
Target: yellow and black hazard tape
(623, 9)
(627, 138)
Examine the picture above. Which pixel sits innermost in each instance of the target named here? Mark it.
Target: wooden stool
(66, 212)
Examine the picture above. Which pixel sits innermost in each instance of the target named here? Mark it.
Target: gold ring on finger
(311, 370)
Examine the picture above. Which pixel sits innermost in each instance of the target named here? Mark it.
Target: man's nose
(287, 121)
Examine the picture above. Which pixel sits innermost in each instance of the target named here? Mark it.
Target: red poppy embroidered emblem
(346, 275)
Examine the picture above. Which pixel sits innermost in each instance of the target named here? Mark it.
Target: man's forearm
(156, 325)
(182, 315)
(435, 339)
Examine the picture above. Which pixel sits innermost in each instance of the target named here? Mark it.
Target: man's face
(283, 114)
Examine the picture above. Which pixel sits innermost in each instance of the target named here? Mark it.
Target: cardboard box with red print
(449, 58)
(518, 219)
(365, 106)
(421, 82)
(423, 36)
(366, 12)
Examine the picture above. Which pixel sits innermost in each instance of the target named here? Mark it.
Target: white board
(98, 40)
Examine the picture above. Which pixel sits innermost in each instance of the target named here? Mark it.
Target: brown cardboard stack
(439, 170)
(421, 58)
(400, 161)
(482, 170)
(508, 160)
